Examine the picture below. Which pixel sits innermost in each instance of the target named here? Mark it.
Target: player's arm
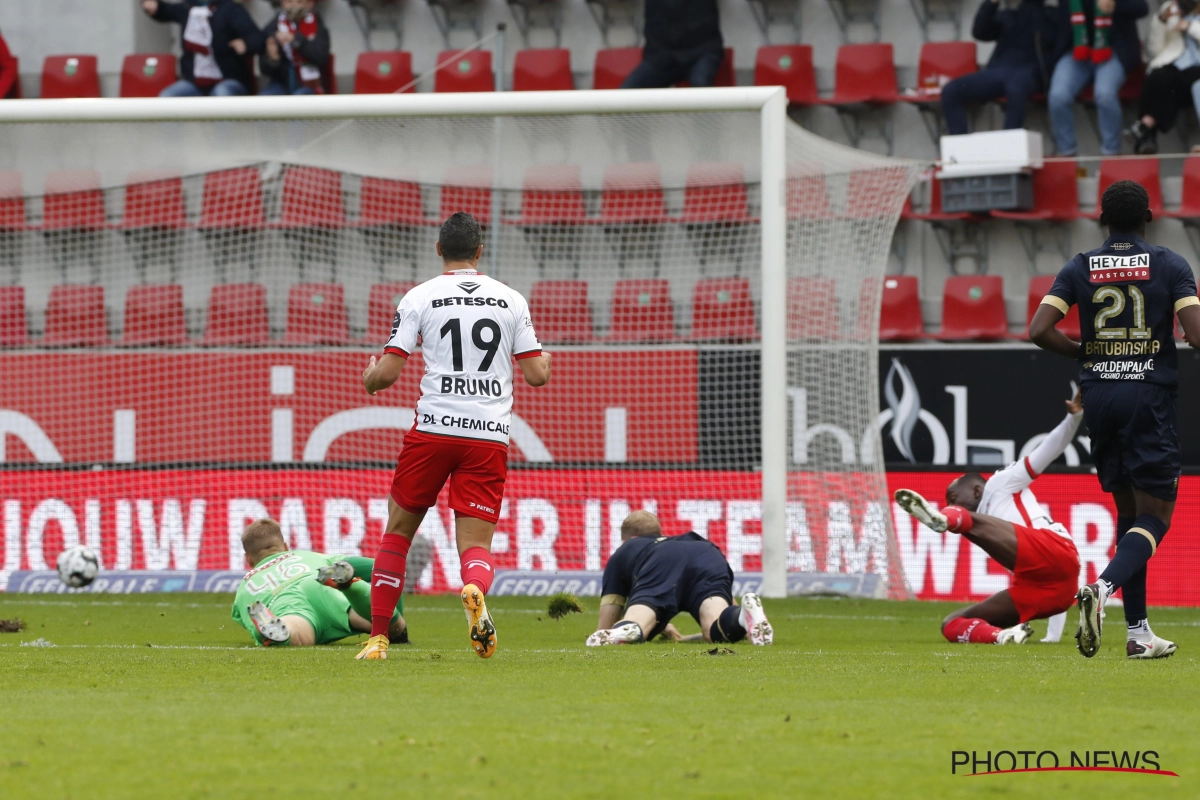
(672, 633)
(536, 368)
(1044, 334)
(1189, 319)
(612, 606)
(1057, 440)
(381, 374)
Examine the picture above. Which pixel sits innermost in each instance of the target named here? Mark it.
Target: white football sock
(1140, 632)
(1054, 630)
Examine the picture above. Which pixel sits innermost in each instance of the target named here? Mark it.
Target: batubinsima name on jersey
(470, 328)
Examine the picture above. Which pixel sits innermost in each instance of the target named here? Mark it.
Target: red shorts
(1047, 574)
(476, 472)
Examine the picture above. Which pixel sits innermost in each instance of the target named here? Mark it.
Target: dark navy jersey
(622, 566)
(1128, 292)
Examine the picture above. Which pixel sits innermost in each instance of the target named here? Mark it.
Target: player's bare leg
(637, 623)
(722, 622)
(474, 539)
(387, 578)
(991, 621)
(993, 535)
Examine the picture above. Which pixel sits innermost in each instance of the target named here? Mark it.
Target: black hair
(460, 237)
(1124, 206)
(971, 477)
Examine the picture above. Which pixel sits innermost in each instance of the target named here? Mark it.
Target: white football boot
(1017, 634)
(920, 508)
(1157, 647)
(1090, 600)
(754, 620)
(622, 634)
(268, 625)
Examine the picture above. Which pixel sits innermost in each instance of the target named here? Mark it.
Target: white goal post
(819, 215)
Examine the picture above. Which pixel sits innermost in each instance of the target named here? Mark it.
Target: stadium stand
(790, 66)
(467, 189)
(12, 202)
(383, 72)
(812, 309)
(75, 315)
(1142, 170)
(1039, 287)
(613, 66)
(723, 311)
(1055, 205)
(154, 215)
(381, 309)
(900, 315)
(642, 311)
(939, 63)
(70, 76)
(13, 330)
(316, 314)
(231, 208)
(865, 81)
(465, 72)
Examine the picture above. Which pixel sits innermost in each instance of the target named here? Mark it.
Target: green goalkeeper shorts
(325, 608)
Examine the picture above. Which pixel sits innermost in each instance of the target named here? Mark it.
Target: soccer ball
(78, 566)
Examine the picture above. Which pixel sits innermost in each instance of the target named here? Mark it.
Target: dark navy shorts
(679, 574)
(1135, 436)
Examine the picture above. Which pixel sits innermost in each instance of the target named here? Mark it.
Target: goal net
(189, 292)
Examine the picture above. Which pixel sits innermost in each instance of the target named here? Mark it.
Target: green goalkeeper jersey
(286, 583)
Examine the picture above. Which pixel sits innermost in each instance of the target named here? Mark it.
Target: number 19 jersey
(1128, 292)
(470, 328)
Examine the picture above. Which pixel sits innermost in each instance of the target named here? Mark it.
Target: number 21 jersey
(1128, 292)
(470, 328)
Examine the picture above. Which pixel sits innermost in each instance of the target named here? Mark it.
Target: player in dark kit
(652, 577)
(1128, 293)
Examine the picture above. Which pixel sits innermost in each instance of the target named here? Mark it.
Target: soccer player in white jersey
(1003, 517)
(470, 328)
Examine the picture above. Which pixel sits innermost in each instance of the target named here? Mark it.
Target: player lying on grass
(652, 577)
(470, 328)
(1003, 518)
(300, 598)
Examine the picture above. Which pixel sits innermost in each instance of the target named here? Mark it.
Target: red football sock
(959, 519)
(477, 568)
(968, 629)
(387, 580)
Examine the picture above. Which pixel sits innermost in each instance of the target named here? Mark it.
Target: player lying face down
(1002, 517)
(300, 598)
(652, 577)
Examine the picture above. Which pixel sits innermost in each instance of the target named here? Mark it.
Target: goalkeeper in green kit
(301, 598)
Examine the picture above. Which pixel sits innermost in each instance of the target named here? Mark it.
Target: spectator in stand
(10, 81)
(1097, 44)
(296, 49)
(1018, 68)
(218, 38)
(683, 43)
(1173, 46)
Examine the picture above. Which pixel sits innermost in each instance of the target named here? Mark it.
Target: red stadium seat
(613, 66)
(153, 200)
(154, 315)
(869, 194)
(1189, 206)
(1039, 287)
(13, 332)
(232, 198)
(383, 72)
(715, 192)
(469, 72)
(642, 311)
(388, 202)
(560, 311)
(973, 308)
(12, 202)
(237, 315)
(1055, 195)
(632, 194)
(146, 74)
(900, 310)
(790, 66)
(722, 310)
(70, 76)
(73, 201)
(316, 314)
(807, 197)
(865, 73)
(1142, 170)
(552, 195)
(467, 189)
(812, 309)
(542, 70)
(75, 316)
(311, 198)
(381, 309)
(940, 63)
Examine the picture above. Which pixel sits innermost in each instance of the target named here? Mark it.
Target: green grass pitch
(162, 696)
